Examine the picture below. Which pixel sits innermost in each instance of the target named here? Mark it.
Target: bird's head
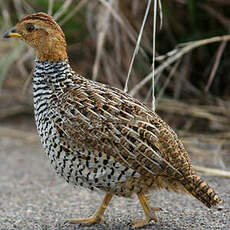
(41, 32)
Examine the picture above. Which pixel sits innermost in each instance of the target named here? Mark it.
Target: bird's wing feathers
(109, 121)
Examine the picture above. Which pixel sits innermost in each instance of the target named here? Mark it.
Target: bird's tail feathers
(200, 189)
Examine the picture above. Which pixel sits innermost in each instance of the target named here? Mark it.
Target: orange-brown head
(41, 32)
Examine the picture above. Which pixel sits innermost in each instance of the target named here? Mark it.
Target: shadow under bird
(99, 137)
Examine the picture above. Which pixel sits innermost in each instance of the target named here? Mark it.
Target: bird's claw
(88, 221)
(151, 216)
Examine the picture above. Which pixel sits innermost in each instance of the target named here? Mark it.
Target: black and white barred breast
(58, 120)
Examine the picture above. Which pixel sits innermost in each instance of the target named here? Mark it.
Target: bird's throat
(53, 51)
(51, 55)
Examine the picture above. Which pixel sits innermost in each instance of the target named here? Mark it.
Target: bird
(99, 137)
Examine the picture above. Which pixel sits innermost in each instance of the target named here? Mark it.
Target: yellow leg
(149, 212)
(98, 216)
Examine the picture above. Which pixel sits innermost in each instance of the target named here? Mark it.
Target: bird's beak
(12, 33)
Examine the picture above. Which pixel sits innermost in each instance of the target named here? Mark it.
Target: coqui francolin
(99, 137)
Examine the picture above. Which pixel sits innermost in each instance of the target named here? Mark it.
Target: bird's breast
(79, 166)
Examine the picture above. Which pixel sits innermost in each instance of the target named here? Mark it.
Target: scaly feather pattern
(100, 137)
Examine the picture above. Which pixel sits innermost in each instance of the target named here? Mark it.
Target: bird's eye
(30, 27)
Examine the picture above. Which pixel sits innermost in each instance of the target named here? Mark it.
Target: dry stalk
(123, 22)
(50, 7)
(27, 84)
(179, 81)
(18, 7)
(65, 6)
(171, 74)
(216, 64)
(26, 6)
(73, 11)
(5, 14)
(213, 12)
(25, 135)
(154, 54)
(176, 54)
(117, 43)
(28, 54)
(212, 171)
(103, 21)
(191, 110)
(137, 45)
(160, 13)
(12, 111)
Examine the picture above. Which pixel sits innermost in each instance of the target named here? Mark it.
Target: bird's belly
(82, 167)
(65, 163)
(88, 168)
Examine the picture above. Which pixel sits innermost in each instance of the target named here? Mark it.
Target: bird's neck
(53, 74)
(49, 54)
(54, 50)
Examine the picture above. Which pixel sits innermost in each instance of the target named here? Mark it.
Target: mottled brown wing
(94, 116)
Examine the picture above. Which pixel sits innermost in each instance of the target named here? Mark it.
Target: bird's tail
(200, 189)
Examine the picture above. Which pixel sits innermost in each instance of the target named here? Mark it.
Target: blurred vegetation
(195, 95)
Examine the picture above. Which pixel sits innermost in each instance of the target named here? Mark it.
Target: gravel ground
(33, 197)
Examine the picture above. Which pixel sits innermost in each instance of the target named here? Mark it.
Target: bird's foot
(98, 216)
(140, 223)
(88, 221)
(149, 217)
